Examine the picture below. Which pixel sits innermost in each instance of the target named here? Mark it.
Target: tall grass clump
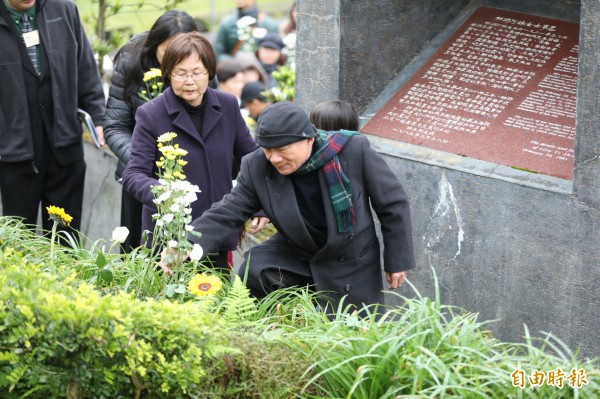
(427, 350)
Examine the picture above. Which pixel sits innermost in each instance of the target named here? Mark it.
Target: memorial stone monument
(488, 113)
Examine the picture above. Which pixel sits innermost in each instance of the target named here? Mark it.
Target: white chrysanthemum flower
(245, 21)
(173, 244)
(163, 197)
(190, 197)
(168, 218)
(189, 227)
(196, 253)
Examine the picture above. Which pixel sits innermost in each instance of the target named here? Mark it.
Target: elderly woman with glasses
(208, 125)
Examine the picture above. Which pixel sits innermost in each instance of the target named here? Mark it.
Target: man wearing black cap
(317, 188)
(253, 99)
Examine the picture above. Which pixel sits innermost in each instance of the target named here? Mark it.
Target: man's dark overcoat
(211, 152)
(349, 263)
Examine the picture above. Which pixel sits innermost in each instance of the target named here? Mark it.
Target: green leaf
(179, 288)
(170, 290)
(106, 275)
(100, 260)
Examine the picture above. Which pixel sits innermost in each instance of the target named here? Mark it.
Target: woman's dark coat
(224, 137)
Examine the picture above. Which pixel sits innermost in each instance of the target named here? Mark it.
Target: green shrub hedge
(64, 339)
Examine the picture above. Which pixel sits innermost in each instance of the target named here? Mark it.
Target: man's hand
(258, 223)
(395, 279)
(100, 134)
(166, 256)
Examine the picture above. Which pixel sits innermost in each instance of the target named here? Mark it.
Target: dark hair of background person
(167, 25)
(290, 26)
(182, 46)
(334, 116)
(227, 69)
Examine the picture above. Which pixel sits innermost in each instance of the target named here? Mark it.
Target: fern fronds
(238, 308)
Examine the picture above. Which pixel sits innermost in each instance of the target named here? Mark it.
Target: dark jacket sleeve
(119, 113)
(390, 203)
(138, 177)
(90, 94)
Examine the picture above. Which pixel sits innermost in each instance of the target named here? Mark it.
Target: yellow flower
(160, 164)
(203, 284)
(152, 73)
(58, 215)
(180, 152)
(182, 162)
(166, 137)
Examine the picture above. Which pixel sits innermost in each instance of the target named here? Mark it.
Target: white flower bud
(119, 234)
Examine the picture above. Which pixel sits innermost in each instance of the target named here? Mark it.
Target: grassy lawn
(139, 19)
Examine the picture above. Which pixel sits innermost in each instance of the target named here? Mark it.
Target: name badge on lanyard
(31, 38)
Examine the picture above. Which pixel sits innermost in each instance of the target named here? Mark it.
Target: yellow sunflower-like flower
(59, 215)
(204, 284)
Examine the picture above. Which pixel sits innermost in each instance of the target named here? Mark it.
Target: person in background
(317, 188)
(270, 56)
(254, 73)
(288, 25)
(143, 52)
(334, 116)
(231, 77)
(254, 100)
(48, 72)
(287, 31)
(228, 40)
(208, 125)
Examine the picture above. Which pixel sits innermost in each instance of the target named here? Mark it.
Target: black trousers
(131, 217)
(54, 184)
(273, 265)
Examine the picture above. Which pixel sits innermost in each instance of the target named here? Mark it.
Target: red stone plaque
(501, 89)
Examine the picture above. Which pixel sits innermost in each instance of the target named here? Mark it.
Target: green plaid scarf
(328, 145)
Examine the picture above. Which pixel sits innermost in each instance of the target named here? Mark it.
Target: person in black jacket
(143, 52)
(48, 70)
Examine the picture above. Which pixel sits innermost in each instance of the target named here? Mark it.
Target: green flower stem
(52, 238)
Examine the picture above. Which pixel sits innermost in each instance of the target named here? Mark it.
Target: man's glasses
(182, 77)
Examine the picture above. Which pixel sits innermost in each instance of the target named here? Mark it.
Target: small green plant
(285, 78)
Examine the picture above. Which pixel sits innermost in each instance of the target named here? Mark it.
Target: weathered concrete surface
(515, 247)
(102, 195)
